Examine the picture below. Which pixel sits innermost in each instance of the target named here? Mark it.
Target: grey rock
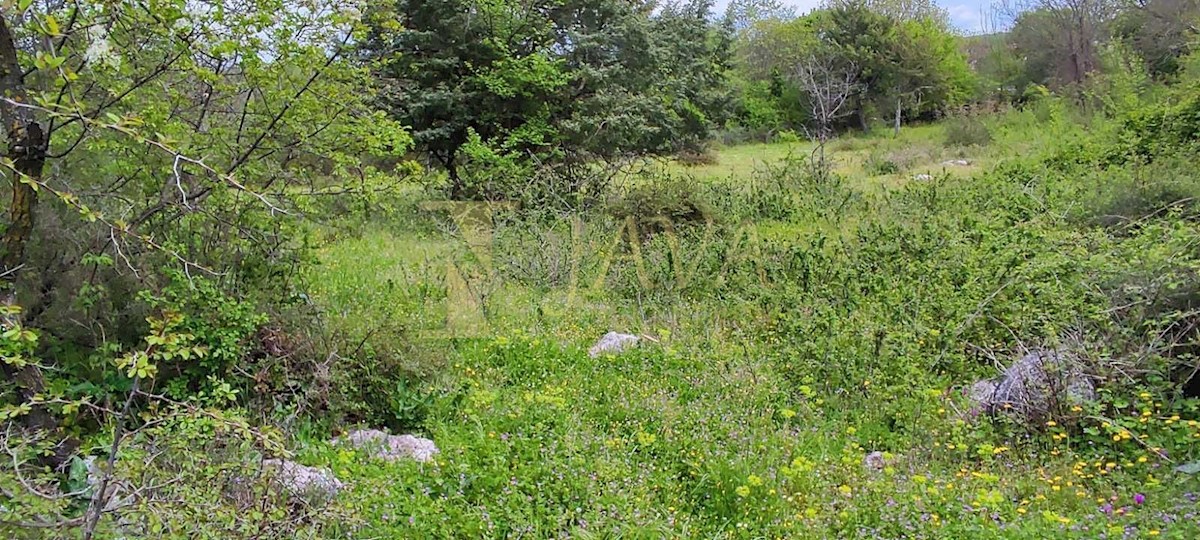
(392, 447)
(980, 396)
(874, 461)
(1033, 387)
(956, 162)
(1189, 468)
(314, 485)
(924, 177)
(613, 343)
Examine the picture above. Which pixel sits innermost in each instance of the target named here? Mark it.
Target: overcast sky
(966, 15)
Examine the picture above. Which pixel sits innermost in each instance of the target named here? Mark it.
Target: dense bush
(967, 131)
(674, 198)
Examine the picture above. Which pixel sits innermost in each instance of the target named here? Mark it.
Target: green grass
(751, 406)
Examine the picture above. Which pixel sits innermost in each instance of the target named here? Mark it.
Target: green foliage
(807, 327)
(571, 82)
(1163, 128)
(220, 325)
(1160, 33)
(901, 58)
(877, 164)
(674, 199)
(967, 131)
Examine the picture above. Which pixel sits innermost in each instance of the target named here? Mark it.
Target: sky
(966, 15)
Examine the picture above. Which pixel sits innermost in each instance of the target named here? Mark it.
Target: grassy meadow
(817, 321)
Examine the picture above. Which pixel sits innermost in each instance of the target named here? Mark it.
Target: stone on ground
(392, 447)
(613, 343)
(314, 485)
(1033, 387)
(875, 461)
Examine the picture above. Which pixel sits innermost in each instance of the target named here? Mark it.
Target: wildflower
(742, 491)
(1138, 498)
(844, 490)
(754, 480)
(787, 413)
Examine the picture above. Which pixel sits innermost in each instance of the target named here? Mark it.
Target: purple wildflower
(1139, 498)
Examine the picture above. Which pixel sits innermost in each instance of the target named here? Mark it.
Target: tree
(565, 84)
(898, 10)
(829, 84)
(931, 72)
(456, 67)
(1159, 31)
(909, 65)
(869, 41)
(1060, 37)
(743, 15)
(147, 140)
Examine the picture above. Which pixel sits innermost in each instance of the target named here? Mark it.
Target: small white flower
(99, 49)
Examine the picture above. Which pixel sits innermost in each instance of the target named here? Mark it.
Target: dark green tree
(558, 83)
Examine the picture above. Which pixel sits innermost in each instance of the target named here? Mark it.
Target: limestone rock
(874, 462)
(1033, 387)
(314, 485)
(613, 343)
(392, 447)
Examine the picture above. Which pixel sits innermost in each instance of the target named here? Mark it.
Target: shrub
(788, 136)
(878, 164)
(967, 132)
(675, 199)
(694, 158)
(1126, 198)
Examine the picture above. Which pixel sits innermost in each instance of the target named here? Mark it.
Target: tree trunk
(896, 126)
(27, 145)
(862, 117)
(458, 191)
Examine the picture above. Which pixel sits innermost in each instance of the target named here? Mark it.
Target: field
(283, 270)
(821, 322)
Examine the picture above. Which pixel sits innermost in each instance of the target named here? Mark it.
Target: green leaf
(51, 25)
